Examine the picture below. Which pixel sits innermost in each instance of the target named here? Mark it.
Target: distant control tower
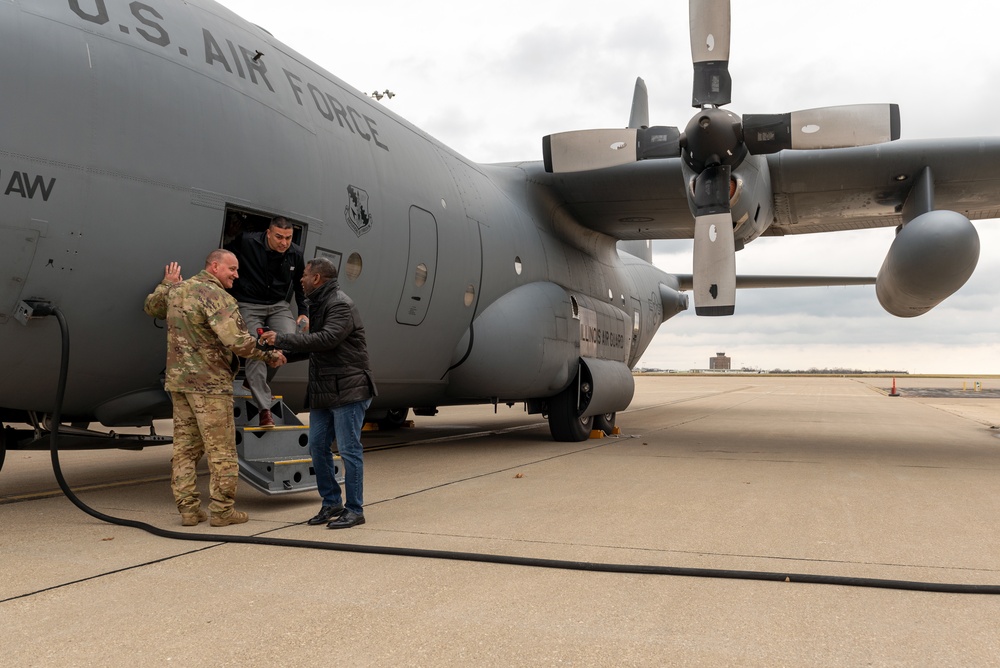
(720, 362)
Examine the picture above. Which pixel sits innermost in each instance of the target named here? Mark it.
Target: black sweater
(267, 276)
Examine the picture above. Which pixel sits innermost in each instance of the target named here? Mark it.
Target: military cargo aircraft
(137, 133)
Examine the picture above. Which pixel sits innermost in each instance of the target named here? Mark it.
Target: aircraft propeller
(713, 144)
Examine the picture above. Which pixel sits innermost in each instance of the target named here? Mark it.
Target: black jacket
(338, 353)
(267, 276)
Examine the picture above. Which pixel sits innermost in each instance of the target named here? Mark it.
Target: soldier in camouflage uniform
(204, 334)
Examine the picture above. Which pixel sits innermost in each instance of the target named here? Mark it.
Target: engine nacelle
(931, 257)
(673, 301)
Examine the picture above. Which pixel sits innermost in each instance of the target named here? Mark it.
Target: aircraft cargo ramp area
(757, 474)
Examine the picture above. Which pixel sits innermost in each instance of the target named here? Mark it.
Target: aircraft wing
(814, 191)
(745, 281)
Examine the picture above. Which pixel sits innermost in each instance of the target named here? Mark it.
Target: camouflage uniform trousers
(203, 424)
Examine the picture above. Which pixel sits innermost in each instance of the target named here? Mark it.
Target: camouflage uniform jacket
(205, 332)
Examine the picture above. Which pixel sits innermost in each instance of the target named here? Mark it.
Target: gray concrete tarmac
(825, 476)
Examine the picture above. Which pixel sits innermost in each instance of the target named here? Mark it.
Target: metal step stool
(277, 460)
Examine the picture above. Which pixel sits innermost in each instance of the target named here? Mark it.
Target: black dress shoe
(346, 520)
(325, 514)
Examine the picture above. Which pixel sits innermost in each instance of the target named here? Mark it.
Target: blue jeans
(342, 424)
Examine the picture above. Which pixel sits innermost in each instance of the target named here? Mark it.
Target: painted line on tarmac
(51, 493)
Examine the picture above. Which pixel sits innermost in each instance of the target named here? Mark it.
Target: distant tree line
(813, 371)
(831, 372)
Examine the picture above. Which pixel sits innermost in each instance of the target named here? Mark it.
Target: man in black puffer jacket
(340, 390)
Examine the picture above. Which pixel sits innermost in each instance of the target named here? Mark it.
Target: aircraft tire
(605, 422)
(395, 419)
(565, 423)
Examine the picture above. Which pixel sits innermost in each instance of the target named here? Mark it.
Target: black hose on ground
(938, 587)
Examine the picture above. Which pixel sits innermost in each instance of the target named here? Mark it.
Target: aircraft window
(611, 295)
(517, 265)
(353, 267)
(421, 275)
(470, 294)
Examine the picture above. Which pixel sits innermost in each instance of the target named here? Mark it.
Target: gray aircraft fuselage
(130, 131)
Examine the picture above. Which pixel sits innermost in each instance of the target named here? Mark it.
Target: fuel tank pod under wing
(931, 257)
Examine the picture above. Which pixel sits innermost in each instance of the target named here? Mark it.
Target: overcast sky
(491, 80)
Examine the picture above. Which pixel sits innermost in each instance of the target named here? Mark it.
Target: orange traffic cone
(893, 392)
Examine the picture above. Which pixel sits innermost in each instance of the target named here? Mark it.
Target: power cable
(507, 560)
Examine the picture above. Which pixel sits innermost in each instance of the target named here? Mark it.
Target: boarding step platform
(274, 460)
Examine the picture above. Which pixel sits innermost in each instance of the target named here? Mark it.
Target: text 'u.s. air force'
(144, 24)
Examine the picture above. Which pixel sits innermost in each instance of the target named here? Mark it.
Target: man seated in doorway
(270, 272)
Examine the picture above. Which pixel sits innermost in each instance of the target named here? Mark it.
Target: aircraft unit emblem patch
(356, 211)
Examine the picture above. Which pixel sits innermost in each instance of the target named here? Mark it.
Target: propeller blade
(714, 279)
(710, 26)
(826, 127)
(582, 150)
(640, 106)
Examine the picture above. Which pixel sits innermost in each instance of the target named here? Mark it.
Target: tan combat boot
(234, 517)
(193, 519)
